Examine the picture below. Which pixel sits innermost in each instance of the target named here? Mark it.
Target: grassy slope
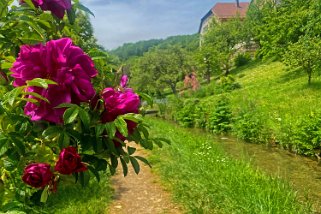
(280, 95)
(205, 180)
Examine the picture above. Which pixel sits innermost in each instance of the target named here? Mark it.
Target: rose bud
(69, 162)
(37, 175)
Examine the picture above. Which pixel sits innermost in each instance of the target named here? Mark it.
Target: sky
(122, 21)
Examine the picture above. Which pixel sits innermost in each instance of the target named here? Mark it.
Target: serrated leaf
(121, 126)
(66, 105)
(164, 140)
(70, 115)
(71, 16)
(135, 164)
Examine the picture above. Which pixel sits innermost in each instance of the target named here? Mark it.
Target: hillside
(274, 105)
(139, 48)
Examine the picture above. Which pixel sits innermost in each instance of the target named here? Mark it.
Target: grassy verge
(72, 198)
(205, 180)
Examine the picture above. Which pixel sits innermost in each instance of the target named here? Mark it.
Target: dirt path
(140, 194)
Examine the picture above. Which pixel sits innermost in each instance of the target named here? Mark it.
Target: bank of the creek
(303, 173)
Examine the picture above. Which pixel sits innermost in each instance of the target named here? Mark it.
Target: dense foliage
(63, 111)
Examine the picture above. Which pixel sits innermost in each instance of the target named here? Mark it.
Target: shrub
(242, 59)
(219, 120)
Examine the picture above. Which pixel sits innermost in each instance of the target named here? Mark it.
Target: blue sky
(121, 21)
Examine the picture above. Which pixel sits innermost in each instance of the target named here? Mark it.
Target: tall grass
(205, 180)
(71, 199)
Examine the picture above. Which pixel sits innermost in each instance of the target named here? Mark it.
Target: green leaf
(6, 65)
(133, 117)
(64, 140)
(71, 16)
(43, 83)
(51, 132)
(147, 98)
(95, 172)
(84, 8)
(30, 4)
(84, 178)
(114, 161)
(121, 125)
(70, 115)
(84, 117)
(131, 150)
(12, 95)
(37, 96)
(3, 146)
(143, 160)
(124, 165)
(66, 105)
(135, 164)
(111, 130)
(163, 140)
(44, 195)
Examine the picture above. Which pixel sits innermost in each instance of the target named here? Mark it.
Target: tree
(223, 38)
(160, 68)
(305, 53)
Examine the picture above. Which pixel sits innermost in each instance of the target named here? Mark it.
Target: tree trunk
(208, 77)
(173, 87)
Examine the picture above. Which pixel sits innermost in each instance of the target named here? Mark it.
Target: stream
(302, 173)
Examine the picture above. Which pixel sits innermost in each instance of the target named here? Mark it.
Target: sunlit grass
(205, 180)
(72, 198)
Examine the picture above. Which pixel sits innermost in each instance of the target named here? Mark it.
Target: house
(222, 12)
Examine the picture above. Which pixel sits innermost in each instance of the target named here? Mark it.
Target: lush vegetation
(57, 120)
(206, 180)
(129, 50)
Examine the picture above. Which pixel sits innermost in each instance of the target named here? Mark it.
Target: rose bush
(59, 116)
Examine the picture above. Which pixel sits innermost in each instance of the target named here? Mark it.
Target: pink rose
(57, 7)
(60, 61)
(119, 103)
(69, 162)
(37, 175)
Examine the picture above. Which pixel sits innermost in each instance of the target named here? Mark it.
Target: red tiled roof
(229, 10)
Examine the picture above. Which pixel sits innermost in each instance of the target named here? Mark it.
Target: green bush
(242, 59)
(307, 135)
(219, 120)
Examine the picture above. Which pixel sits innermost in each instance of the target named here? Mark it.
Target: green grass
(205, 180)
(72, 198)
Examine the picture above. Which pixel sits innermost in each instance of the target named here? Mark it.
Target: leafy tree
(160, 68)
(305, 53)
(223, 38)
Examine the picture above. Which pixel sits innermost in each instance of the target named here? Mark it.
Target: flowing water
(302, 173)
